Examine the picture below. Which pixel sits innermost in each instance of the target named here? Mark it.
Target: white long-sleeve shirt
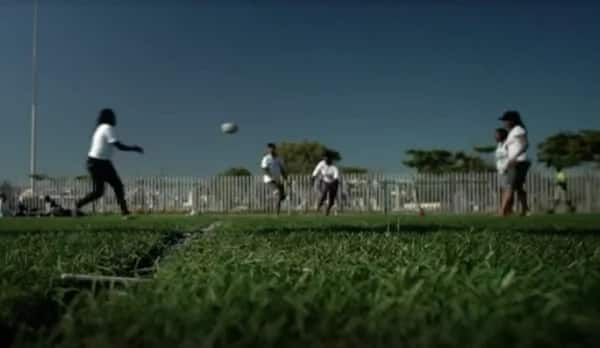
(274, 165)
(501, 158)
(328, 173)
(517, 149)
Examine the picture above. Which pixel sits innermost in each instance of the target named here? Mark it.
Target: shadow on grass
(30, 314)
(36, 314)
(559, 231)
(84, 228)
(356, 229)
(393, 228)
(158, 250)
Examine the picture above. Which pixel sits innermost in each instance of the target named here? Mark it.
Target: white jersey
(103, 142)
(514, 144)
(501, 158)
(274, 166)
(328, 173)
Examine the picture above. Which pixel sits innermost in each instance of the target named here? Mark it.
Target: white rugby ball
(229, 128)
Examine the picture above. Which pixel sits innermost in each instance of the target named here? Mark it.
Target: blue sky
(370, 79)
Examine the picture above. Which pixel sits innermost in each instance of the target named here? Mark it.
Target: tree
(354, 170)
(442, 161)
(7, 188)
(301, 157)
(485, 149)
(567, 149)
(236, 171)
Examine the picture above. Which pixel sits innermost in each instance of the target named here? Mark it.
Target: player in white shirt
(518, 163)
(274, 173)
(329, 175)
(502, 162)
(99, 164)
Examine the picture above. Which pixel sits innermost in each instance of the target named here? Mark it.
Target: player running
(274, 173)
(329, 175)
(99, 163)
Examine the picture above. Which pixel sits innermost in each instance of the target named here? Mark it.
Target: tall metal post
(32, 164)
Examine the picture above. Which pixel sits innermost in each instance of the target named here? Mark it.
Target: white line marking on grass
(101, 278)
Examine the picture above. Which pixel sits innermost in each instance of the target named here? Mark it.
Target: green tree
(236, 171)
(7, 188)
(485, 149)
(443, 161)
(567, 149)
(301, 157)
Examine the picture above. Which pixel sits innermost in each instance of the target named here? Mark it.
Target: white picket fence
(375, 193)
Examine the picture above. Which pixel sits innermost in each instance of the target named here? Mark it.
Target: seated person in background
(54, 209)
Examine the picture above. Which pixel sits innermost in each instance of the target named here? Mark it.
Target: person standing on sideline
(518, 164)
(501, 164)
(330, 177)
(274, 174)
(99, 163)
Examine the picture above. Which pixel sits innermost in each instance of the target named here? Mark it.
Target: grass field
(348, 281)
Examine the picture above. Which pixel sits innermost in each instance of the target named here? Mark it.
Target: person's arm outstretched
(127, 148)
(112, 139)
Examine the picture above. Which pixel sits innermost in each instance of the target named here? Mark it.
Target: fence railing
(446, 193)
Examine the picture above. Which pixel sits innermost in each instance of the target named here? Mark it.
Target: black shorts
(279, 188)
(516, 175)
(103, 171)
(330, 190)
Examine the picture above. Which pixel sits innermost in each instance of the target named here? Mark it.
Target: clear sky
(370, 79)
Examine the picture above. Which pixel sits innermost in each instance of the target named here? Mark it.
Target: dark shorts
(517, 175)
(103, 171)
(279, 188)
(329, 190)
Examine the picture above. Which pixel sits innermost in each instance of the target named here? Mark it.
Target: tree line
(561, 150)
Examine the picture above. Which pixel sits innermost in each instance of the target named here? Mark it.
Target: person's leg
(522, 199)
(278, 191)
(500, 210)
(507, 202)
(332, 193)
(323, 197)
(508, 189)
(522, 169)
(281, 196)
(115, 182)
(97, 174)
(504, 188)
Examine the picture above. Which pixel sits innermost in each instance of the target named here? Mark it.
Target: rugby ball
(229, 128)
